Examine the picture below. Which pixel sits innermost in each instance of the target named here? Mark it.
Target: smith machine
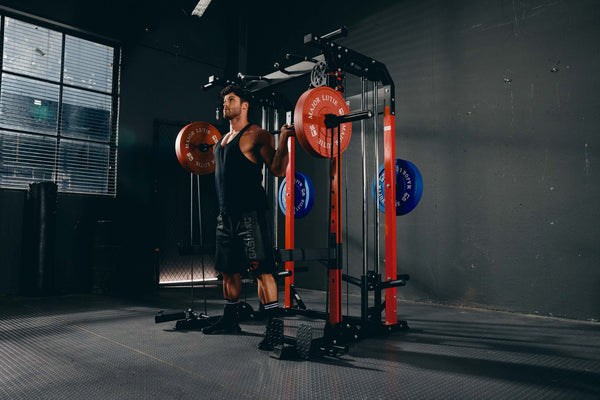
(323, 126)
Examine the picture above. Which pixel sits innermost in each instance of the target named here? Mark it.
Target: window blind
(59, 98)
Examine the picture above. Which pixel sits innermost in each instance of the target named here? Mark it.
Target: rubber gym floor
(102, 347)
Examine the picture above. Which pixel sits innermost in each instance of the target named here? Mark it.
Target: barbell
(315, 113)
(320, 113)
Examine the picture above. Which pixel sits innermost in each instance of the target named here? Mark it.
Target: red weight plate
(309, 121)
(194, 147)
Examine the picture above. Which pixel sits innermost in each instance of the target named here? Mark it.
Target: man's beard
(229, 115)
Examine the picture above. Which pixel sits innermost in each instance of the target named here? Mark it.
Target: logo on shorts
(253, 265)
(251, 248)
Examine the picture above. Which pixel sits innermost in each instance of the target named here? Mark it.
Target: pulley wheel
(318, 75)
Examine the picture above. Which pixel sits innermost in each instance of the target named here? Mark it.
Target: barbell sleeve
(332, 120)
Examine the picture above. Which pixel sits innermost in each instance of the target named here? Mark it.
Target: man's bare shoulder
(258, 134)
(255, 129)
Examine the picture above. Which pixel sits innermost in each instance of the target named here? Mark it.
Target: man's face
(232, 106)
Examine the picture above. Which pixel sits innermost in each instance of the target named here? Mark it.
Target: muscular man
(243, 239)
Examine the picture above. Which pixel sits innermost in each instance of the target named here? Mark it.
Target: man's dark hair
(241, 92)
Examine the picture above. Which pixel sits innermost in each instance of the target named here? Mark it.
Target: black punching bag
(37, 273)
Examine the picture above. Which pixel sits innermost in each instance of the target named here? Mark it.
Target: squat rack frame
(343, 59)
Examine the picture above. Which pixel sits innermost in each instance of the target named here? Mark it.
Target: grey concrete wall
(497, 106)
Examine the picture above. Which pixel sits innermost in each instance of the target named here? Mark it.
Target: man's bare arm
(276, 160)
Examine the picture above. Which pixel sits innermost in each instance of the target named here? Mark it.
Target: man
(243, 239)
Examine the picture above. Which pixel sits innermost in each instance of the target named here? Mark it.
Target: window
(59, 100)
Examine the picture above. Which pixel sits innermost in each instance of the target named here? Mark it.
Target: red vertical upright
(335, 273)
(290, 178)
(389, 141)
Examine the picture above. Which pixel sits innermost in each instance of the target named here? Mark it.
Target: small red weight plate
(194, 147)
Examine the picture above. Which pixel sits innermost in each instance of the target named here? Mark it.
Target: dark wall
(12, 203)
(497, 105)
(167, 56)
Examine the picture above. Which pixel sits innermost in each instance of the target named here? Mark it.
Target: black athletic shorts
(244, 243)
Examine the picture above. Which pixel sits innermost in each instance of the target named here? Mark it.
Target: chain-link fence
(176, 209)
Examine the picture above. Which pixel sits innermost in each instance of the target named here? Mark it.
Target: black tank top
(238, 180)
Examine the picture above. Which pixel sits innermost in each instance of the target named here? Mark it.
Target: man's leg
(267, 293)
(232, 286)
(261, 253)
(228, 323)
(267, 288)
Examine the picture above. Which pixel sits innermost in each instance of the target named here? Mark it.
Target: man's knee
(266, 279)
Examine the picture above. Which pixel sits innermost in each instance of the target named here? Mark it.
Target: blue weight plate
(304, 195)
(409, 187)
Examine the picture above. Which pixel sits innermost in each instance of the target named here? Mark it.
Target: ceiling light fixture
(200, 8)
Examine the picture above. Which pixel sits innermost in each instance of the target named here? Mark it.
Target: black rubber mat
(94, 347)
